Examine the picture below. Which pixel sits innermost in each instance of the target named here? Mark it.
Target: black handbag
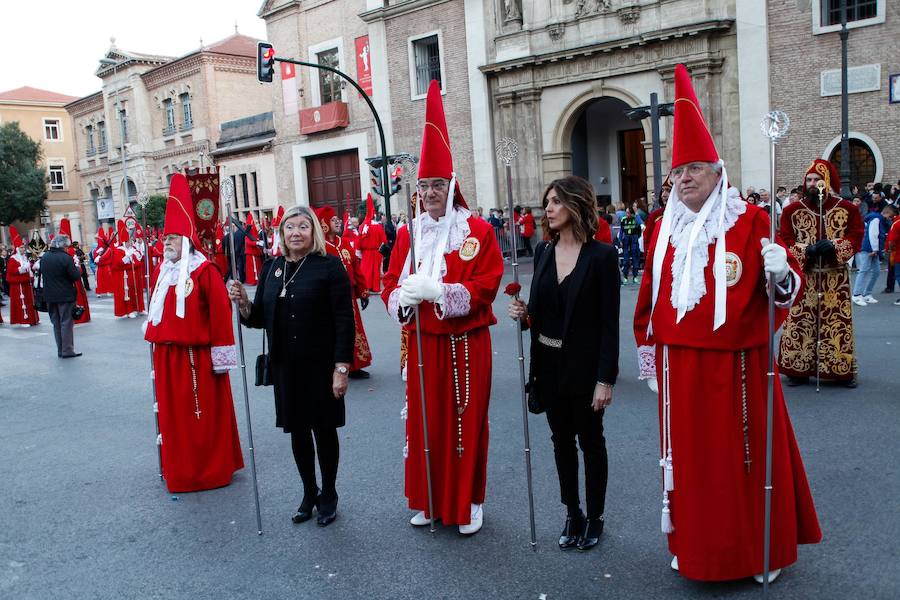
(263, 372)
(40, 304)
(77, 312)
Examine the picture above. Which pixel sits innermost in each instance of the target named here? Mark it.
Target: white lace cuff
(457, 301)
(223, 358)
(647, 362)
(788, 290)
(401, 314)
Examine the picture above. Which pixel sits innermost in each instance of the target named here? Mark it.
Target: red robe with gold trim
(362, 354)
(461, 325)
(126, 279)
(717, 506)
(200, 448)
(80, 295)
(21, 294)
(800, 227)
(371, 238)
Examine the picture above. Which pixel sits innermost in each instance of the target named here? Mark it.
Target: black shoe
(327, 512)
(571, 533)
(795, 381)
(851, 384)
(359, 374)
(305, 510)
(76, 355)
(593, 528)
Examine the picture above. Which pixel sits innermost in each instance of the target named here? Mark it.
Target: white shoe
(133, 315)
(897, 302)
(419, 519)
(773, 575)
(870, 299)
(674, 564)
(476, 522)
(859, 301)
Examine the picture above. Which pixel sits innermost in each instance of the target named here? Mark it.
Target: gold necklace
(288, 281)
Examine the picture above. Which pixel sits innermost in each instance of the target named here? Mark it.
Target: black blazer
(319, 319)
(591, 326)
(59, 274)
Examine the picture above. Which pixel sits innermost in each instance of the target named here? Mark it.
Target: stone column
(529, 170)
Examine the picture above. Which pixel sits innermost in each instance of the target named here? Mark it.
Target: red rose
(512, 289)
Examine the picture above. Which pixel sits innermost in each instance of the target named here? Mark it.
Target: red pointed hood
(370, 210)
(65, 228)
(121, 231)
(179, 213)
(279, 214)
(15, 238)
(436, 159)
(691, 139)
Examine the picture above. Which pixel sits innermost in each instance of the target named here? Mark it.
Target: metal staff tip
(775, 125)
(507, 149)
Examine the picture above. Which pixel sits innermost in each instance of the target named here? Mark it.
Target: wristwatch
(342, 370)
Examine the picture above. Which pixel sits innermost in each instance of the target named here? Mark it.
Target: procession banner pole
(227, 188)
(507, 150)
(775, 125)
(408, 171)
(143, 200)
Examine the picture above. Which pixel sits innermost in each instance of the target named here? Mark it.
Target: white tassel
(159, 439)
(406, 450)
(405, 412)
(669, 473)
(156, 407)
(667, 526)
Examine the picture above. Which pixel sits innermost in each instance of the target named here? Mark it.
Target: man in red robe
(458, 272)
(701, 328)
(823, 247)
(125, 266)
(19, 277)
(371, 238)
(104, 283)
(65, 228)
(253, 250)
(190, 327)
(362, 354)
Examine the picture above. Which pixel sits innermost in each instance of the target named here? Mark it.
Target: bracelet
(606, 385)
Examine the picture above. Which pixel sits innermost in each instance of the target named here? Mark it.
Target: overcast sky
(55, 44)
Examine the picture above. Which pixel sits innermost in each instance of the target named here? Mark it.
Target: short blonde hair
(307, 213)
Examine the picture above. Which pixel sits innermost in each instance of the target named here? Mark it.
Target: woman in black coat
(303, 303)
(573, 314)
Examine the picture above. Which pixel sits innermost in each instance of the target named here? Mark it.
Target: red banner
(364, 64)
(205, 199)
(325, 117)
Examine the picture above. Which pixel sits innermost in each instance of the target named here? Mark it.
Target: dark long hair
(577, 197)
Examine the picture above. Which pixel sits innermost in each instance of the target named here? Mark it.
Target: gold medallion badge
(469, 248)
(733, 269)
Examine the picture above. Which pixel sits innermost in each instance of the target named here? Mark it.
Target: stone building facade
(171, 111)
(805, 47)
(41, 117)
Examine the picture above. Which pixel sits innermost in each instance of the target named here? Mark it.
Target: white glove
(422, 287)
(775, 260)
(408, 299)
(653, 385)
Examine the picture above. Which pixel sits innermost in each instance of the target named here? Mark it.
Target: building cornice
(267, 13)
(193, 147)
(85, 105)
(192, 64)
(34, 103)
(661, 35)
(397, 10)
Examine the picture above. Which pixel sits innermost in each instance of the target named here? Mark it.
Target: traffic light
(396, 175)
(265, 62)
(377, 188)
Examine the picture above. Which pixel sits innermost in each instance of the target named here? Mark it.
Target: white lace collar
(172, 274)
(428, 236)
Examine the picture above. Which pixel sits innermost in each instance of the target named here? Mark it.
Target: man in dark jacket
(236, 230)
(59, 275)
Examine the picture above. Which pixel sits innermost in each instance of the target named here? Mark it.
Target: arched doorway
(863, 164)
(607, 150)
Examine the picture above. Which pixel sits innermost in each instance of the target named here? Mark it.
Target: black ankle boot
(327, 511)
(572, 531)
(593, 528)
(304, 512)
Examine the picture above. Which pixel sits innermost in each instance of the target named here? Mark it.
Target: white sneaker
(419, 519)
(674, 564)
(897, 302)
(476, 522)
(859, 301)
(773, 575)
(133, 315)
(870, 299)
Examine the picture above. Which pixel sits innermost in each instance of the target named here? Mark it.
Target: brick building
(805, 51)
(41, 116)
(169, 112)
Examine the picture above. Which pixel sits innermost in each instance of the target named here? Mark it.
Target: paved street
(84, 515)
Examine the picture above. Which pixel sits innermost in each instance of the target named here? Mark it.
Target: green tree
(23, 179)
(156, 210)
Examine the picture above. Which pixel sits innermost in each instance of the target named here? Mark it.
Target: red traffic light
(265, 62)
(269, 53)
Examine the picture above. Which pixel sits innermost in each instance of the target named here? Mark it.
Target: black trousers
(327, 449)
(572, 418)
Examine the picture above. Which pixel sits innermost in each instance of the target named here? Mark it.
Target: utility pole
(655, 110)
(845, 117)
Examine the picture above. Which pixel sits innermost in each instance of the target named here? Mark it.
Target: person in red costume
(700, 325)
(253, 250)
(65, 228)
(220, 258)
(458, 272)
(603, 233)
(276, 235)
(823, 248)
(334, 245)
(104, 284)
(19, 276)
(371, 238)
(125, 266)
(190, 328)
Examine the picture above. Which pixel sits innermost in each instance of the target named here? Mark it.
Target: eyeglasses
(437, 186)
(693, 169)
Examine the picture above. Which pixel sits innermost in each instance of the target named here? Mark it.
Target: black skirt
(303, 398)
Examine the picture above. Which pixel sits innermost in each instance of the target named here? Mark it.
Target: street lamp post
(655, 110)
(845, 118)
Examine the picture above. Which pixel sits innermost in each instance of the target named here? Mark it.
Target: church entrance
(607, 150)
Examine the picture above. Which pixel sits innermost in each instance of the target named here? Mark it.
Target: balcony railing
(186, 126)
(102, 148)
(168, 130)
(90, 152)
